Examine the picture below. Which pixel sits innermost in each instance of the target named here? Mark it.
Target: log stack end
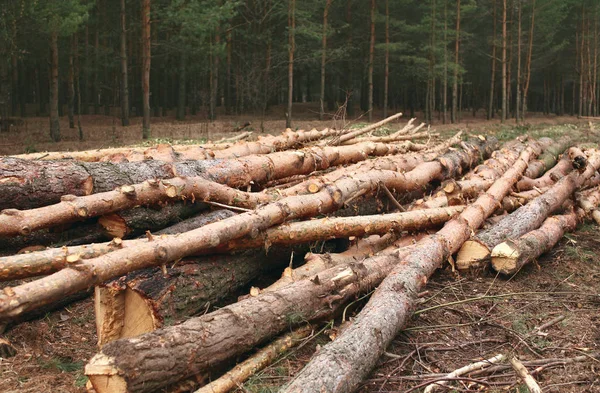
(505, 258)
(104, 375)
(473, 255)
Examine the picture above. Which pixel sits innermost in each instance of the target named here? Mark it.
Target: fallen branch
(527, 379)
(465, 370)
(339, 140)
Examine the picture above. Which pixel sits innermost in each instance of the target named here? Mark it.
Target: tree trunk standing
(181, 91)
(15, 85)
(324, 59)
(594, 110)
(291, 49)
(528, 66)
(214, 83)
(518, 100)
(454, 114)
(96, 88)
(85, 91)
(371, 59)
(490, 113)
(386, 72)
(228, 93)
(124, 70)
(510, 60)
(503, 61)
(77, 83)
(350, 76)
(146, 67)
(71, 88)
(54, 117)
(445, 83)
(431, 92)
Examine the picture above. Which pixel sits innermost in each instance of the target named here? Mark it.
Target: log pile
(213, 251)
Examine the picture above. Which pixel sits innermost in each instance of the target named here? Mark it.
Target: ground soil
(53, 350)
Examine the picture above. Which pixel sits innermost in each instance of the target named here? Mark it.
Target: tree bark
(324, 59)
(445, 82)
(341, 365)
(48, 261)
(528, 64)
(386, 71)
(71, 86)
(560, 170)
(504, 81)
(160, 251)
(519, 52)
(148, 299)
(490, 113)
(181, 91)
(214, 82)
(291, 50)
(548, 157)
(54, 117)
(146, 56)
(31, 184)
(371, 60)
(454, 113)
(124, 69)
(474, 254)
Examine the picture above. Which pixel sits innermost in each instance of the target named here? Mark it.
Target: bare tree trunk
(214, 83)
(96, 89)
(518, 102)
(146, 56)
(454, 113)
(124, 70)
(181, 94)
(86, 73)
(54, 118)
(445, 83)
(386, 72)
(71, 87)
(528, 65)
(371, 59)
(324, 59)
(503, 61)
(228, 92)
(291, 50)
(77, 83)
(490, 113)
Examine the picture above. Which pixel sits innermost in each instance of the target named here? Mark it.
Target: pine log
(260, 360)
(72, 208)
(43, 262)
(560, 170)
(28, 184)
(342, 364)
(549, 156)
(161, 251)
(510, 256)
(589, 200)
(474, 254)
(391, 139)
(395, 163)
(148, 299)
(136, 221)
(409, 127)
(207, 341)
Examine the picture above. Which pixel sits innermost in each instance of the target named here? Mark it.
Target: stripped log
(260, 360)
(342, 364)
(115, 264)
(510, 256)
(148, 299)
(474, 254)
(48, 261)
(27, 184)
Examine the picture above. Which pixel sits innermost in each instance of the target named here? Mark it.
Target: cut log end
(122, 314)
(471, 255)
(104, 376)
(505, 257)
(114, 225)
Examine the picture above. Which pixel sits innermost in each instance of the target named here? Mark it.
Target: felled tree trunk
(560, 170)
(51, 260)
(474, 254)
(342, 364)
(28, 184)
(589, 201)
(161, 251)
(548, 158)
(510, 256)
(263, 316)
(148, 299)
(130, 223)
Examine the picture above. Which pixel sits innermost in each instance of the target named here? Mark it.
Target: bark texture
(548, 158)
(341, 365)
(160, 251)
(475, 252)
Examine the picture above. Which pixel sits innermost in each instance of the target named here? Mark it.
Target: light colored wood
(104, 376)
(527, 379)
(464, 370)
(470, 253)
(505, 256)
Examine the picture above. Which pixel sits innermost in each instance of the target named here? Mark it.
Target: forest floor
(492, 315)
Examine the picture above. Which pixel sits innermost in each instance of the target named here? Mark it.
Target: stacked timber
(197, 255)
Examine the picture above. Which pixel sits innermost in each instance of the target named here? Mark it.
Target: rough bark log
(51, 260)
(28, 184)
(72, 208)
(560, 170)
(148, 299)
(117, 263)
(403, 163)
(548, 158)
(254, 319)
(341, 365)
(510, 256)
(474, 254)
(134, 222)
(589, 201)
(264, 357)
